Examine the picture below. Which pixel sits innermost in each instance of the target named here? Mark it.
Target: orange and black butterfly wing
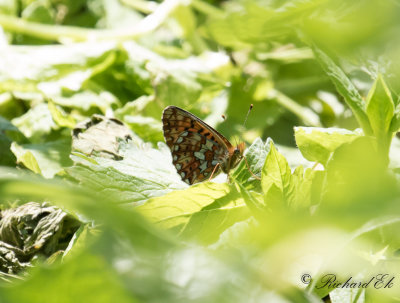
(195, 146)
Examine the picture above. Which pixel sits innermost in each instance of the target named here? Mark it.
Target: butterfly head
(237, 154)
(239, 150)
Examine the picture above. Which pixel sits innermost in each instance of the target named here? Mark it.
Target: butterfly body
(198, 150)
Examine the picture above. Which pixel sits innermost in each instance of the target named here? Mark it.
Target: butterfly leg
(248, 168)
(213, 172)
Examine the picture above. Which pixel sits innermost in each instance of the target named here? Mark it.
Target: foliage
(82, 89)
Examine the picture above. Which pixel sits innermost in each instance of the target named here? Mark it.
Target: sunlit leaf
(36, 122)
(143, 172)
(345, 87)
(201, 212)
(46, 159)
(380, 108)
(60, 117)
(252, 165)
(317, 144)
(276, 179)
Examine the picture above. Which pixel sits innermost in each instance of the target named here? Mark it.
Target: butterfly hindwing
(196, 165)
(195, 146)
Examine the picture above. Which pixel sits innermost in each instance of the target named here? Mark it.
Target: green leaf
(86, 269)
(206, 226)
(63, 73)
(395, 123)
(358, 181)
(345, 88)
(38, 11)
(276, 179)
(201, 212)
(143, 172)
(284, 189)
(92, 205)
(182, 202)
(380, 108)
(36, 122)
(307, 187)
(232, 28)
(30, 64)
(111, 159)
(255, 204)
(317, 144)
(60, 117)
(47, 159)
(8, 133)
(79, 241)
(255, 156)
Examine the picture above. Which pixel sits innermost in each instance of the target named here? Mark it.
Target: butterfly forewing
(195, 146)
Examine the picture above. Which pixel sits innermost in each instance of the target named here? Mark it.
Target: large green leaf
(201, 212)
(65, 284)
(317, 144)
(358, 181)
(143, 172)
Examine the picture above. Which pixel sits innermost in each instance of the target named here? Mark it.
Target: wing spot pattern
(199, 155)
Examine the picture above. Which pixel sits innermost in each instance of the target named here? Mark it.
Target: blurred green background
(323, 78)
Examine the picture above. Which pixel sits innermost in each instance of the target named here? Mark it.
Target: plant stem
(71, 33)
(43, 31)
(307, 115)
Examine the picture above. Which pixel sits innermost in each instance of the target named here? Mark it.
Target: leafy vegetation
(92, 209)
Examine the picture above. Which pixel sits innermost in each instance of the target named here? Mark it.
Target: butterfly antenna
(245, 120)
(244, 157)
(247, 115)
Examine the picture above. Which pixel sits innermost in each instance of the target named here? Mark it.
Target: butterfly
(199, 152)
